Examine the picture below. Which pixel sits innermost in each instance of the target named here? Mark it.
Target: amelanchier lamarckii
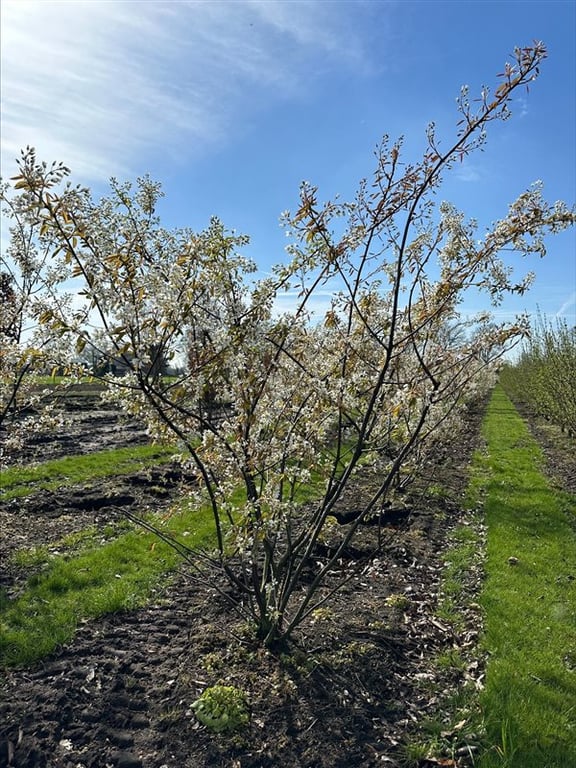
(273, 411)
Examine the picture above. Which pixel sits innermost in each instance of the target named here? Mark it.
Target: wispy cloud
(97, 84)
(570, 302)
(521, 106)
(467, 172)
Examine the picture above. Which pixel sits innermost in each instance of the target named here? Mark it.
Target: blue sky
(231, 105)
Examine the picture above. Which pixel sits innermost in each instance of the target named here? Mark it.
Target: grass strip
(102, 577)
(529, 598)
(51, 475)
(118, 575)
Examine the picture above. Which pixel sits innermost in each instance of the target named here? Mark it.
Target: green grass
(529, 702)
(71, 544)
(461, 557)
(89, 578)
(50, 475)
(57, 379)
(82, 577)
(114, 576)
(456, 727)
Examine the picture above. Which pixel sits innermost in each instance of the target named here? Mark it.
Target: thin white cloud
(318, 304)
(570, 302)
(97, 84)
(312, 23)
(521, 106)
(468, 172)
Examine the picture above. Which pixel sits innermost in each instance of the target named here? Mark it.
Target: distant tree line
(544, 377)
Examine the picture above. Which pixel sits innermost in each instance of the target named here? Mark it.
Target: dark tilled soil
(559, 449)
(89, 425)
(101, 506)
(354, 687)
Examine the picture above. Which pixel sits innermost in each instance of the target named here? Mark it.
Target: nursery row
(544, 377)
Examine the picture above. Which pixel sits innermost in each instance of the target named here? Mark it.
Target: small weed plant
(222, 708)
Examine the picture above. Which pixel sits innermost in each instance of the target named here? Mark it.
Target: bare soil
(51, 515)
(89, 425)
(558, 447)
(357, 684)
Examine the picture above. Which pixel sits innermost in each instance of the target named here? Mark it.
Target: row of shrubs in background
(544, 377)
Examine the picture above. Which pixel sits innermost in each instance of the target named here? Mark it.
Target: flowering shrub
(27, 350)
(274, 410)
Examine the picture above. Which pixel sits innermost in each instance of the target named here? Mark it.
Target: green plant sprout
(222, 708)
(397, 601)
